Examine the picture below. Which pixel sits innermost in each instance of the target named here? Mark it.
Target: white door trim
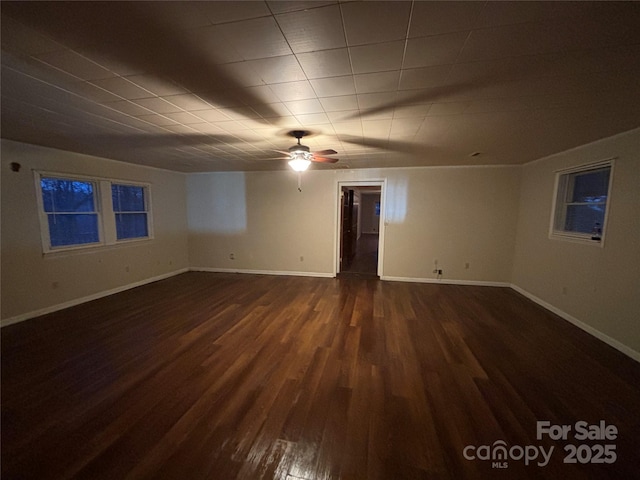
(382, 183)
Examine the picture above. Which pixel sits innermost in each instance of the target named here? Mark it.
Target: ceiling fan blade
(324, 159)
(283, 152)
(325, 152)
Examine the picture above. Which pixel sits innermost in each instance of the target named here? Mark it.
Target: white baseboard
(446, 281)
(262, 272)
(580, 324)
(77, 301)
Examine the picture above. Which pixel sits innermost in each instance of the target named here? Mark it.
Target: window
(129, 207)
(70, 208)
(77, 212)
(581, 202)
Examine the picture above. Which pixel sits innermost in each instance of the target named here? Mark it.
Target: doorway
(360, 228)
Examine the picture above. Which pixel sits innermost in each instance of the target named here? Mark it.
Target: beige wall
(453, 215)
(263, 220)
(33, 282)
(598, 286)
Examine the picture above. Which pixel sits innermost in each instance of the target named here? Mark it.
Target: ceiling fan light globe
(299, 164)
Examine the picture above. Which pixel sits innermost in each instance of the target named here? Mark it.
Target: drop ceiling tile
(326, 63)
(495, 14)
(377, 100)
(405, 126)
(300, 107)
(376, 128)
(294, 5)
(239, 113)
(232, 126)
(180, 15)
(448, 108)
(123, 88)
(257, 95)
(183, 117)
(313, 29)
(157, 85)
(377, 82)
(335, 86)
(257, 38)
(278, 69)
(157, 120)
(386, 22)
(187, 101)
(312, 119)
(239, 74)
(488, 105)
(130, 108)
(95, 93)
(410, 111)
(340, 103)
(184, 129)
(211, 115)
(212, 41)
(271, 110)
(75, 64)
(426, 77)
(435, 18)
(207, 128)
(225, 12)
(343, 116)
(293, 91)
(158, 105)
(536, 38)
(434, 50)
(19, 38)
(353, 128)
(379, 57)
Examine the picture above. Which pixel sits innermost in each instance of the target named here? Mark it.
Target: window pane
(583, 218)
(70, 229)
(127, 198)
(60, 195)
(131, 225)
(590, 186)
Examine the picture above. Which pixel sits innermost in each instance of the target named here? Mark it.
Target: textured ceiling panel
(206, 86)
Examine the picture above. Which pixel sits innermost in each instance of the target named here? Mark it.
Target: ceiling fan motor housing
(299, 148)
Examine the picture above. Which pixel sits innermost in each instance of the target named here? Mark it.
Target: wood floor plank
(226, 376)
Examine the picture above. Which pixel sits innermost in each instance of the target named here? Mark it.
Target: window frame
(147, 203)
(107, 235)
(559, 205)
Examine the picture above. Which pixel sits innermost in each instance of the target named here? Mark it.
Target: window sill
(583, 239)
(95, 248)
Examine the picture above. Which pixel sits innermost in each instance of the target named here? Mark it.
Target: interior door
(349, 228)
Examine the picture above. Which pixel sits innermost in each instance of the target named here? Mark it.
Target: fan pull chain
(300, 181)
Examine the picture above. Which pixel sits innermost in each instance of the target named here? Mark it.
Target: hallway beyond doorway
(365, 260)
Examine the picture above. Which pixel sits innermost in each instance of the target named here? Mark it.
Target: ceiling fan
(300, 157)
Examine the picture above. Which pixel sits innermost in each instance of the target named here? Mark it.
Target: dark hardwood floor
(222, 376)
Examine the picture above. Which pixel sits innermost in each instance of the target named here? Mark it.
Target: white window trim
(104, 208)
(147, 202)
(583, 238)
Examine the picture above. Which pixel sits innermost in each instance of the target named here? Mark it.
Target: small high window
(581, 202)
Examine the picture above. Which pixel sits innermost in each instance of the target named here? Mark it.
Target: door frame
(382, 183)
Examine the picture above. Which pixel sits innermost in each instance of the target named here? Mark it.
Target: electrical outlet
(466, 266)
(301, 258)
(439, 272)
(232, 256)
